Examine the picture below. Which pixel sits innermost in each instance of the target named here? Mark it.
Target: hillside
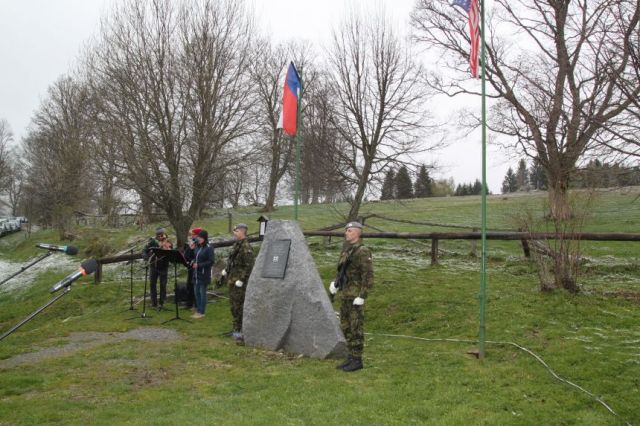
(89, 359)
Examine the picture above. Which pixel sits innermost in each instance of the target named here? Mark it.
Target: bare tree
(321, 166)
(6, 137)
(276, 149)
(175, 95)
(15, 181)
(56, 152)
(379, 98)
(559, 70)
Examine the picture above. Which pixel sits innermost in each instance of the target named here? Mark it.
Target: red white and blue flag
(473, 10)
(290, 97)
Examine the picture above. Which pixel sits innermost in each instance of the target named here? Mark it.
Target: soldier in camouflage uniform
(239, 266)
(355, 279)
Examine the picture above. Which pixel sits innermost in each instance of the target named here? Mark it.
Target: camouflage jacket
(359, 272)
(240, 262)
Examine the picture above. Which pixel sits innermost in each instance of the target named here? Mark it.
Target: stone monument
(286, 306)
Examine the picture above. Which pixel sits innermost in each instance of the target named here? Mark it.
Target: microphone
(65, 249)
(87, 267)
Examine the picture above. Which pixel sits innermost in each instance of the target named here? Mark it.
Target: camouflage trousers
(236, 297)
(352, 324)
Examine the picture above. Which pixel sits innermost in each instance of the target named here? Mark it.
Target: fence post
(525, 246)
(434, 251)
(474, 245)
(230, 221)
(97, 276)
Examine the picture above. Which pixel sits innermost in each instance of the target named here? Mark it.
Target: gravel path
(87, 340)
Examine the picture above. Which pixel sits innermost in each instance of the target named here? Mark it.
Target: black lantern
(263, 225)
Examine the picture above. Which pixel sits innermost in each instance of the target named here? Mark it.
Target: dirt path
(87, 340)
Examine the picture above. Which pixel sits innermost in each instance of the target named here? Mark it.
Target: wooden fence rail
(435, 237)
(523, 237)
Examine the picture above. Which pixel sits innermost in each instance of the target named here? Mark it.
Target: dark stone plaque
(275, 262)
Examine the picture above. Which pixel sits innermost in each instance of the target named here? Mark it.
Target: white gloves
(358, 301)
(239, 283)
(223, 273)
(332, 288)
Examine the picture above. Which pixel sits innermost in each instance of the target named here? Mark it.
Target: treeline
(398, 185)
(596, 174)
(174, 108)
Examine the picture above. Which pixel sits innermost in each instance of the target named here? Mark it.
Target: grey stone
(294, 313)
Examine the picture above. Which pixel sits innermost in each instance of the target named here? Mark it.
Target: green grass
(591, 338)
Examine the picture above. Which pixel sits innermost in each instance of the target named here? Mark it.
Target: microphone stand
(24, 268)
(175, 260)
(36, 312)
(131, 308)
(143, 315)
(144, 294)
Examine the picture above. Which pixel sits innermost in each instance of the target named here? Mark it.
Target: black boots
(344, 363)
(353, 365)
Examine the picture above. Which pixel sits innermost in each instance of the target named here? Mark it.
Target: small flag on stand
(290, 96)
(473, 10)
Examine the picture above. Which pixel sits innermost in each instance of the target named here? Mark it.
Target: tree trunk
(181, 224)
(271, 196)
(357, 200)
(558, 193)
(565, 271)
(147, 208)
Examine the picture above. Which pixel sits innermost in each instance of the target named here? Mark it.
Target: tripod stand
(131, 308)
(144, 295)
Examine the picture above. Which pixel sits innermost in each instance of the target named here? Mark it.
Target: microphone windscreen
(72, 250)
(89, 266)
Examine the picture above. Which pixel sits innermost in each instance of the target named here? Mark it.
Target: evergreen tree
(522, 176)
(404, 186)
(510, 183)
(422, 187)
(477, 188)
(537, 175)
(388, 186)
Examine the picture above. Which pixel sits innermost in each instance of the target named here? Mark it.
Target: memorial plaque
(275, 262)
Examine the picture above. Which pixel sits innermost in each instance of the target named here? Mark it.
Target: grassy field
(77, 362)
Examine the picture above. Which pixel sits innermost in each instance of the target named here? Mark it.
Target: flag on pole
(473, 10)
(290, 96)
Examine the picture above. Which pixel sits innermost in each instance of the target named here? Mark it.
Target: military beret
(240, 225)
(353, 225)
(160, 231)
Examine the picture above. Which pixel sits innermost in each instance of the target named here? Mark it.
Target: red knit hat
(196, 231)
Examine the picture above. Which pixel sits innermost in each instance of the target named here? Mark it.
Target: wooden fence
(435, 237)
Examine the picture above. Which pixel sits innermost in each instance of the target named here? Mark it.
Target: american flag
(473, 10)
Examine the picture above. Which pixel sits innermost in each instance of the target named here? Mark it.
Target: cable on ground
(522, 348)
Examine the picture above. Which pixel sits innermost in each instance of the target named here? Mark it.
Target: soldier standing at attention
(239, 266)
(355, 279)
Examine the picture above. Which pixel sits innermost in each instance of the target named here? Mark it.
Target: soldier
(355, 279)
(239, 266)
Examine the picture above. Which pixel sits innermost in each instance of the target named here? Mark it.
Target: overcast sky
(41, 39)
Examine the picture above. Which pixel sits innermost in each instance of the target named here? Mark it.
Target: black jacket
(203, 256)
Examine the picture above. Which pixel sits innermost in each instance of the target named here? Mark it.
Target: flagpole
(296, 200)
(483, 271)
